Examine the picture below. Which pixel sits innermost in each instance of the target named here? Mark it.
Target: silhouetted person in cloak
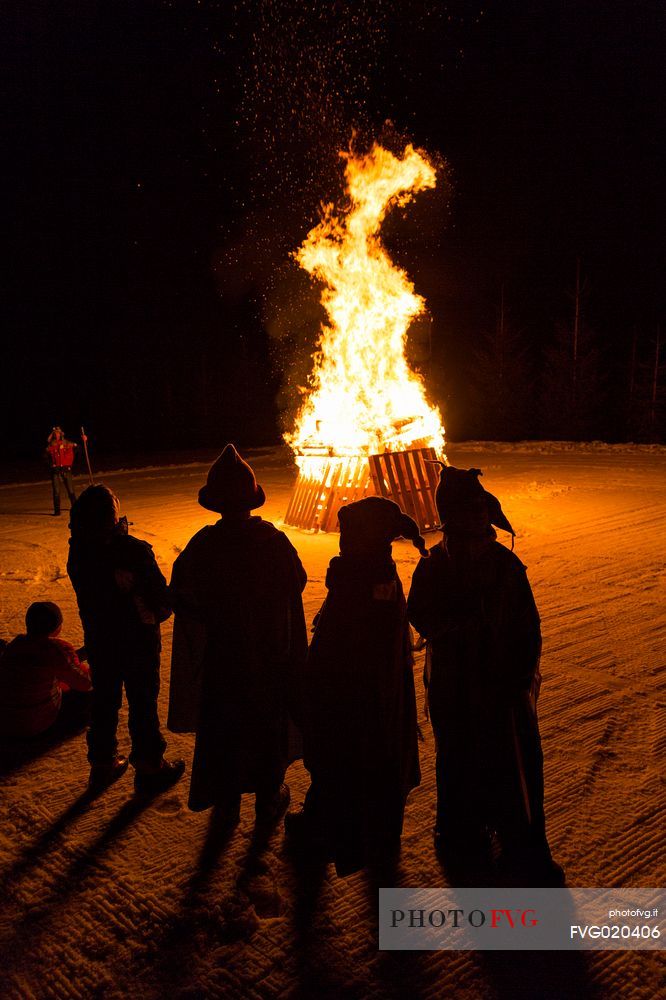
(473, 603)
(239, 641)
(122, 598)
(359, 708)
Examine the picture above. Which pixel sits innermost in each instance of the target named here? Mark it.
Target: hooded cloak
(473, 603)
(359, 704)
(239, 641)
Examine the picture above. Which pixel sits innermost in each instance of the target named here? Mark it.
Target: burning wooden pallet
(410, 478)
(316, 500)
(403, 476)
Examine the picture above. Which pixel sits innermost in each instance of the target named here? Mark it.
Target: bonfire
(365, 424)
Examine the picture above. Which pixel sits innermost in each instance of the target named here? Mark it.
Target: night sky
(166, 158)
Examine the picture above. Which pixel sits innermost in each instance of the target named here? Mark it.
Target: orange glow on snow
(362, 397)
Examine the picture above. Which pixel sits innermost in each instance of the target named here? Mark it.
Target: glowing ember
(363, 398)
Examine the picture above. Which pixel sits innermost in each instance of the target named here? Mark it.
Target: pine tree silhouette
(502, 379)
(572, 385)
(646, 393)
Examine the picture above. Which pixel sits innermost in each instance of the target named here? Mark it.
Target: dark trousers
(138, 670)
(62, 477)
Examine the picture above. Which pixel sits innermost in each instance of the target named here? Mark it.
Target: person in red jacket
(60, 454)
(40, 677)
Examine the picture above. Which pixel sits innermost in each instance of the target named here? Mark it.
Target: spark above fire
(363, 399)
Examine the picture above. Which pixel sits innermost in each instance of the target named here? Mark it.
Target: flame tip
(370, 302)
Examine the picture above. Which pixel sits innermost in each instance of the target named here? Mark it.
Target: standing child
(41, 678)
(473, 603)
(122, 598)
(359, 707)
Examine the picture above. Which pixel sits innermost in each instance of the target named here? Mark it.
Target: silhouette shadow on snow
(211, 915)
(39, 920)
(17, 754)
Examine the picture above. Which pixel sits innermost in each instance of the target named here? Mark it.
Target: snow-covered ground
(117, 899)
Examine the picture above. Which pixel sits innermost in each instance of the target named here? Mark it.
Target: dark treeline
(219, 375)
(555, 377)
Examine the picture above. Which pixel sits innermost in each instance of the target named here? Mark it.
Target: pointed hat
(231, 485)
(464, 505)
(376, 521)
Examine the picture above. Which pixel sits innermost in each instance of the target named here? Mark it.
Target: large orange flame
(363, 398)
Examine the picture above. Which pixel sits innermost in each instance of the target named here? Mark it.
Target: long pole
(655, 381)
(84, 438)
(576, 331)
(632, 366)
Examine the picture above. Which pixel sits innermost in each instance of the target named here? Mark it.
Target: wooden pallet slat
(422, 476)
(422, 495)
(408, 501)
(331, 496)
(314, 503)
(405, 477)
(387, 461)
(432, 467)
(306, 498)
(418, 507)
(376, 474)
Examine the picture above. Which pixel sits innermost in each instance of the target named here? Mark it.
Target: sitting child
(37, 671)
